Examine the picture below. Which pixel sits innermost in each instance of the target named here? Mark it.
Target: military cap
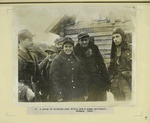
(83, 34)
(52, 49)
(25, 34)
(69, 40)
(58, 40)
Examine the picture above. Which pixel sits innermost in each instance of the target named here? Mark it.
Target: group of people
(76, 73)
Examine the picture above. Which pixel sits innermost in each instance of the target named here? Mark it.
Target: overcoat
(29, 75)
(69, 82)
(93, 63)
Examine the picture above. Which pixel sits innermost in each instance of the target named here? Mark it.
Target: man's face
(27, 43)
(117, 39)
(51, 54)
(68, 48)
(84, 42)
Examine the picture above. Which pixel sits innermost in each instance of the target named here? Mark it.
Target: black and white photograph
(74, 53)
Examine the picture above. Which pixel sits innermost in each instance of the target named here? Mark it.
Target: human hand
(111, 81)
(85, 97)
(30, 94)
(60, 100)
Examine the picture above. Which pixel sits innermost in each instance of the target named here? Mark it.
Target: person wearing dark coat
(120, 66)
(69, 82)
(93, 65)
(30, 80)
(45, 70)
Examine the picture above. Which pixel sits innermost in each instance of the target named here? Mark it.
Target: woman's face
(68, 48)
(117, 39)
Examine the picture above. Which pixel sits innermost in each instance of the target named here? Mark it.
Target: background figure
(45, 70)
(94, 67)
(30, 79)
(120, 66)
(66, 75)
(39, 52)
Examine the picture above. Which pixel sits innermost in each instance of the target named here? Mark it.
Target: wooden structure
(101, 30)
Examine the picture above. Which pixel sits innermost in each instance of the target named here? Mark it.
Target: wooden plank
(103, 42)
(93, 30)
(107, 47)
(103, 37)
(84, 24)
(105, 52)
(96, 34)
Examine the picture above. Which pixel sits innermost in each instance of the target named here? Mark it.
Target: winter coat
(121, 71)
(93, 65)
(68, 80)
(29, 74)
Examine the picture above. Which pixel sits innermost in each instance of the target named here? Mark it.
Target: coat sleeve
(101, 66)
(55, 78)
(84, 80)
(43, 85)
(128, 56)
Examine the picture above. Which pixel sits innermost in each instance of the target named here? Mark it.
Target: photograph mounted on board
(70, 53)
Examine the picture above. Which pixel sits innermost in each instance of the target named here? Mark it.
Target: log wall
(101, 31)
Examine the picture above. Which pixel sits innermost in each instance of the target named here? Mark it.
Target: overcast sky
(38, 18)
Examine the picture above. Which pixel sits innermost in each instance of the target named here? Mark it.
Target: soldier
(68, 80)
(29, 76)
(120, 66)
(94, 67)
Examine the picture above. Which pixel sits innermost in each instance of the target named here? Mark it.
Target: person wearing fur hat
(94, 67)
(120, 66)
(69, 83)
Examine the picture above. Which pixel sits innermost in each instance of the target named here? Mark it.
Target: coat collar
(64, 56)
